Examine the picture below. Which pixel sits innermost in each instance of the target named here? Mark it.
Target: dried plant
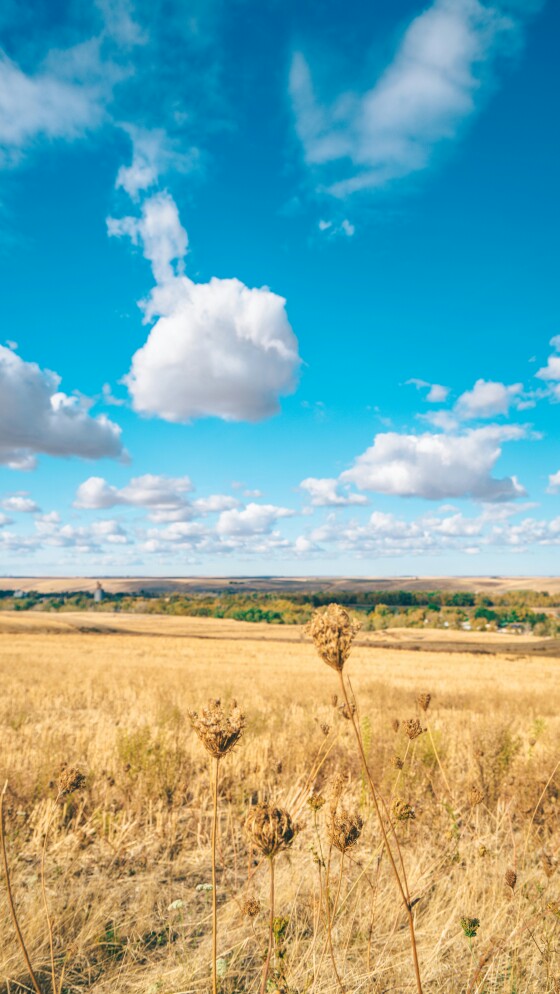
(344, 829)
(510, 877)
(316, 801)
(395, 725)
(402, 810)
(413, 728)
(271, 830)
(219, 729)
(11, 904)
(333, 632)
(70, 779)
(475, 795)
(470, 927)
(251, 907)
(423, 701)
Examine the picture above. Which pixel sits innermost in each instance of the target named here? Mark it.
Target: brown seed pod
(251, 907)
(315, 801)
(218, 728)
(397, 762)
(548, 864)
(270, 829)
(69, 780)
(395, 724)
(403, 811)
(333, 632)
(423, 701)
(344, 829)
(413, 728)
(510, 878)
(475, 795)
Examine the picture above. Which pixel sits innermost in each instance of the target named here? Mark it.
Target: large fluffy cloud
(437, 466)
(163, 496)
(217, 349)
(423, 98)
(36, 417)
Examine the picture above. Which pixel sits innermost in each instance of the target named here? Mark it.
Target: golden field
(127, 862)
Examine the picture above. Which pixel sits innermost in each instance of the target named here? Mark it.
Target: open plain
(127, 857)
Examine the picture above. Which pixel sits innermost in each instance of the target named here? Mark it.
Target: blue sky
(279, 288)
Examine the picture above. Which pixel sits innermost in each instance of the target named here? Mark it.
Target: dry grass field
(127, 865)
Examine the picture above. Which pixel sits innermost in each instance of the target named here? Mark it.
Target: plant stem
(45, 901)
(214, 894)
(23, 948)
(330, 916)
(270, 928)
(404, 898)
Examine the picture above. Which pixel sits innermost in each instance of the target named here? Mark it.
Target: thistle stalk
(333, 632)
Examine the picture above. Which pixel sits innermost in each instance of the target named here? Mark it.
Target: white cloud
(153, 155)
(216, 503)
(159, 231)
(437, 466)
(487, 399)
(64, 99)
(217, 349)
(163, 495)
(35, 417)
(554, 483)
(20, 503)
(423, 98)
(254, 519)
(437, 393)
(551, 372)
(327, 493)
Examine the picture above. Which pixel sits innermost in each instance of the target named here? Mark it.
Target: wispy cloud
(423, 98)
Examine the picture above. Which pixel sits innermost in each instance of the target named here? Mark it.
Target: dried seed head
(423, 701)
(475, 795)
(218, 728)
(334, 700)
(315, 801)
(413, 728)
(482, 850)
(395, 724)
(397, 762)
(336, 788)
(510, 878)
(470, 926)
(403, 811)
(271, 829)
(333, 632)
(69, 780)
(345, 711)
(325, 728)
(344, 829)
(548, 864)
(251, 907)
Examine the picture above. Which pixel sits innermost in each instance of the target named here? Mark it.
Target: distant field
(494, 584)
(128, 859)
